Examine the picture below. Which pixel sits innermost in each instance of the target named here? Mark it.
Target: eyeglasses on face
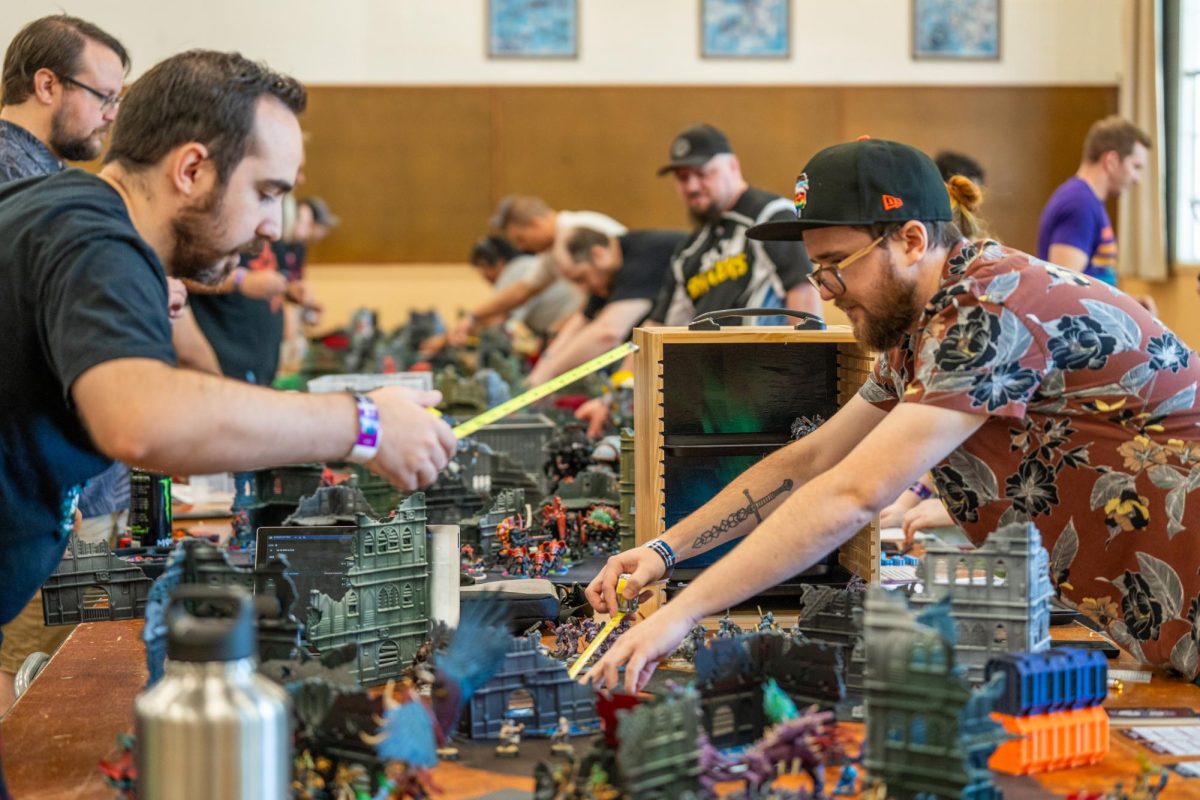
(829, 277)
(107, 101)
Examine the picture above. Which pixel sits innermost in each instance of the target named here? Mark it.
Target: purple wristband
(367, 444)
(921, 490)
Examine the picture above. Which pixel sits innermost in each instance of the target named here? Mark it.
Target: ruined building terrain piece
(834, 615)
(928, 732)
(659, 751)
(534, 689)
(385, 608)
(731, 674)
(999, 594)
(92, 584)
(264, 498)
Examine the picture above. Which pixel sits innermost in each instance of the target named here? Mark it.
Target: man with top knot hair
(1033, 393)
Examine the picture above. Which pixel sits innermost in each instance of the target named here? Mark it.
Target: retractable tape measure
(537, 393)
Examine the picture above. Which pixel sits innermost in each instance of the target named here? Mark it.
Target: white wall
(621, 41)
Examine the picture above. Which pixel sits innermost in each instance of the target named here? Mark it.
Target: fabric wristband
(368, 431)
(664, 552)
(921, 490)
(239, 277)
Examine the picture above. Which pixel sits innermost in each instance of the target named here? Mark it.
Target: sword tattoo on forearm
(741, 515)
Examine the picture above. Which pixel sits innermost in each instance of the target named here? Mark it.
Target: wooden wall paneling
(415, 172)
(407, 169)
(1028, 139)
(599, 148)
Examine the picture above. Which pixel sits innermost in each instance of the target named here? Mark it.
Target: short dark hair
(1113, 133)
(198, 96)
(581, 241)
(950, 163)
(491, 250)
(55, 43)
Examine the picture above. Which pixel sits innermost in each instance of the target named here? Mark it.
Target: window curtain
(1141, 230)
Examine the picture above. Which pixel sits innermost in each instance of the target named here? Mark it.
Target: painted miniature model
(728, 628)
(566, 640)
(847, 782)
(561, 739)
(766, 622)
(686, 652)
(510, 739)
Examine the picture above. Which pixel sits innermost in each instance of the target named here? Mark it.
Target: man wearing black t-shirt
(718, 267)
(622, 275)
(206, 146)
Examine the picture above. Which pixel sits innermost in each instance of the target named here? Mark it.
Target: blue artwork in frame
(745, 28)
(956, 29)
(533, 28)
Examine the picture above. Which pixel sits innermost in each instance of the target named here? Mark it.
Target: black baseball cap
(862, 183)
(694, 146)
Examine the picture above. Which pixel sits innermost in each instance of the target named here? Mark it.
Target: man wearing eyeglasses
(1033, 393)
(61, 84)
(61, 88)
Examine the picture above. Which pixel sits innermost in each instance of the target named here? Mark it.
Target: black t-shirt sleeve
(593, 305)
(103, 300)
(790, 258)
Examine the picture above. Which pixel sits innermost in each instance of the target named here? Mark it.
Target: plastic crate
(522, 437)
(422, 381)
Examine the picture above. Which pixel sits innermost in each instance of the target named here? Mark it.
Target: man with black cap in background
(718, 267)
(1035, 396)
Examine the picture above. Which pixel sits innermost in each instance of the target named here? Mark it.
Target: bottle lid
(210, 623)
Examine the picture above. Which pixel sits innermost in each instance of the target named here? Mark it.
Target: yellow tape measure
(623, 607)
(549, 387)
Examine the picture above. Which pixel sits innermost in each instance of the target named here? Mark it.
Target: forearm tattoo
(741, 515)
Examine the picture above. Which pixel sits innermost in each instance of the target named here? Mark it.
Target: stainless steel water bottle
(212, 728)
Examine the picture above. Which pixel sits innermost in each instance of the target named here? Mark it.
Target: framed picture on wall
(533, 28)
(956, 29)
(745, 28)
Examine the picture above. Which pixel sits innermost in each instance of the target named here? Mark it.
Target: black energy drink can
(149, 507)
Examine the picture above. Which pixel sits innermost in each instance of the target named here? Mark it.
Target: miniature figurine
(121, 773)
(687, 649)
(566, 640)
(625, 624)
(588, 629)
(729, 629)
(766, 622)
(847, 782)
(561, 739)
(803, 426)
(510, 739)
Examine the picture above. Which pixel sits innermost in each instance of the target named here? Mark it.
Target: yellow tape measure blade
(538, 392)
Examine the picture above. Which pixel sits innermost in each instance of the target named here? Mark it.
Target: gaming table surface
(71, 715)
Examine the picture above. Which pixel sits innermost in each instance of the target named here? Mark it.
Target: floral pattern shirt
(1091, 435)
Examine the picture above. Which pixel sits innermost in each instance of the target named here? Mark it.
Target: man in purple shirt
(1075, 230)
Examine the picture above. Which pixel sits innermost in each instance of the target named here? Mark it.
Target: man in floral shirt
(1032, 392)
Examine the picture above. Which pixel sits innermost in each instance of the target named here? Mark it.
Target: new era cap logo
(891, 203)
(680, 147)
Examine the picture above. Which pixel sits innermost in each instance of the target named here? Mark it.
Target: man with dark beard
(61, 87)
(207, 145)
(1033, 393)
(61, 82)
(718, 267)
